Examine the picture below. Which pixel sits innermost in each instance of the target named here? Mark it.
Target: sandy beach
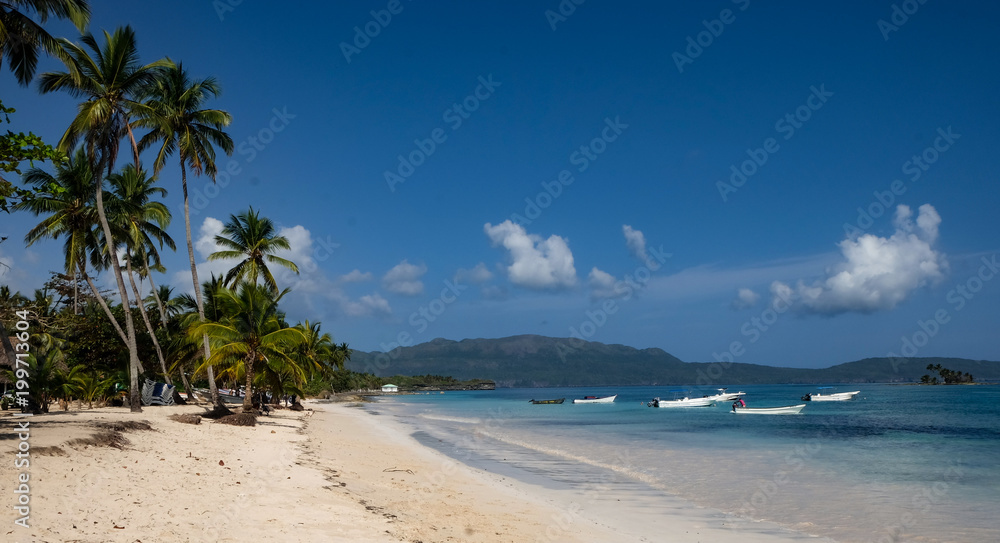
(331, 473)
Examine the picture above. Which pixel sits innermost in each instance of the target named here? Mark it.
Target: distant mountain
(539, 361)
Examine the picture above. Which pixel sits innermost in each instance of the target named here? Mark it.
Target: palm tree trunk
(156, 296)
(248, 398)
(135, 405)
(149, 326)
(216, 400)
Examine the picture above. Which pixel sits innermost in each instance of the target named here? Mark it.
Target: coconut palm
(21, 36)
(180, 123)
(250, 332)
(252, 238)
(108, 78)
(69, 210)
(141, 222)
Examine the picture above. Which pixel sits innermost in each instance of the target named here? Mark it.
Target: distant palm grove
(90, 344)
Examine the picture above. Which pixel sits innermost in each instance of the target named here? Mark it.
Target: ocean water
(898, 463)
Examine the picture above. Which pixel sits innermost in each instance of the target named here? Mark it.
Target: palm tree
(254, 239)
(250, 332)
(108, 80)
(21, 36)
(142, 222)
(178, 120)
(69, 209)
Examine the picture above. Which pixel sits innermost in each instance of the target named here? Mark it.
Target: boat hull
(606, 399)
(784, 410)
(836, 397)
(685, 402)
(548, 402)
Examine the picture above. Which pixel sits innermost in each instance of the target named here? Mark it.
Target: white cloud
(476, 276)
(876, 273)
(355, 276)
(205, 244)
(368, 305)
(745, 298)
(602, 284)
(404, 278)
(535, 263)
(635, 240)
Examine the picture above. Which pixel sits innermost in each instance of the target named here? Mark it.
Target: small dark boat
(560, 400)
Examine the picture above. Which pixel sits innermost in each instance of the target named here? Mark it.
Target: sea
(897, 463)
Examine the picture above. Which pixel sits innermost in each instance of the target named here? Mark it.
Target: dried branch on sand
(239, 419)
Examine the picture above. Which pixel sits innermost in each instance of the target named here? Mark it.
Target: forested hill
(535, 361)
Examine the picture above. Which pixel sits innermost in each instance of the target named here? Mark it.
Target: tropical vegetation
(97, 346)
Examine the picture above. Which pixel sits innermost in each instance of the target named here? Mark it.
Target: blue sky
(569, 169)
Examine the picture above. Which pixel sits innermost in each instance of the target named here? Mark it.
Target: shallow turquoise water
(899, 463)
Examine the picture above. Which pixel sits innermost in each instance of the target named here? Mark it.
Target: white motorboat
(596, 399)
(785, 410)
(683, 402)
(832, 397)
(724, 396)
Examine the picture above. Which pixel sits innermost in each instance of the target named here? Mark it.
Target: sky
(764, 182)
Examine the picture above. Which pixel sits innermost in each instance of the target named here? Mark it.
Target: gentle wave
(462, 420)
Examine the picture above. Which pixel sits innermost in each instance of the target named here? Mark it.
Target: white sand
(338, 474)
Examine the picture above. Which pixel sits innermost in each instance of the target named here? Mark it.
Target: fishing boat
(682, 402)
(596, 399)
(724, 396)
(831, 397)
(785, 410)
(560, 400)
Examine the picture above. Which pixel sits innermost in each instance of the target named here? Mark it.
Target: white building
(390, 388)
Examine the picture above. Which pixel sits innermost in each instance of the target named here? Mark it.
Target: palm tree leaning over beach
(141, 221)
(252, 238)
(21, 37)
(179, 123)
(108, 80)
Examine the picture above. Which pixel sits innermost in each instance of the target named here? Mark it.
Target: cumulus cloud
(476, 276)
(404, 278)
(745, 298)
(368, 305)
(635, 240)
(876, 273)
(602, 284)
(355, 276)
(536, 263)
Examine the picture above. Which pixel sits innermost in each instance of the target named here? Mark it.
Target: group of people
(739, 403)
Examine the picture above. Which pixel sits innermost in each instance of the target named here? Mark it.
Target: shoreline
(337, 472)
